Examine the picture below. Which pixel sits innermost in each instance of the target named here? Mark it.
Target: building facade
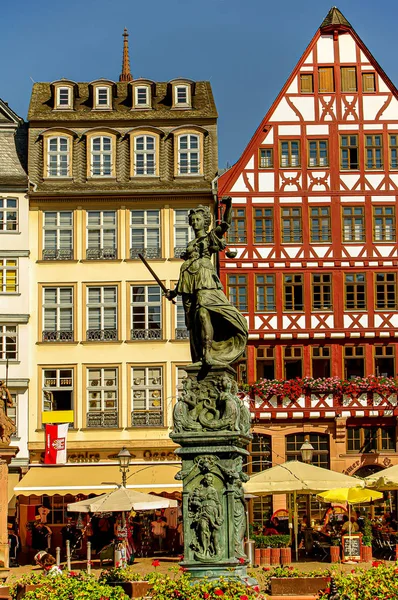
(115, 168)
(315, 260)
(14, 277)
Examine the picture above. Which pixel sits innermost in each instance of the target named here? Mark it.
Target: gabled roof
(229, 177)
(335, 17)
(7, 115)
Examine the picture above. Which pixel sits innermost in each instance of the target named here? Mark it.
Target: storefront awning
(88, 479)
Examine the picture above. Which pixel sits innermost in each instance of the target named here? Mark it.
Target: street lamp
(124, 463)
(307, 451)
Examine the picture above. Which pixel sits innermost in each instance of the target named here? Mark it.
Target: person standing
(41, 535)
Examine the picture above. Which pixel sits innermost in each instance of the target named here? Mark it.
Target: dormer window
(102, 97)
(182, 95)
(141, 97)
(63, 97)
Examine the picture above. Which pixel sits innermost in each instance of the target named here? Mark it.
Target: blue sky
(246, 48)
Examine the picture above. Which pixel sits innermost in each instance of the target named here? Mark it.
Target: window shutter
(348, 79)
(306, 83)
(368, 82)
(326, 80)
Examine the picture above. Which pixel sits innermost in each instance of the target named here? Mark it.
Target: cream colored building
(115, 169)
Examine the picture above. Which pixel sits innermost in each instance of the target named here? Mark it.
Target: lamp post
(307, 451)
(124, 457)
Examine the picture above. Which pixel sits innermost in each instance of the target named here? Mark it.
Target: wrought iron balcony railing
(57, 336)
(146, 334)
(101, 335)
(147, 418)
(105, 419)
(101, 253)
(65, 254)
(178, 250)
(146, 252)
(181, 333)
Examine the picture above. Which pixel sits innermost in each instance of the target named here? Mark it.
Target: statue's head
(200, 212)
(208, 479)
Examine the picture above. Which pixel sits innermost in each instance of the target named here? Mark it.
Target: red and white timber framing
(319, 116)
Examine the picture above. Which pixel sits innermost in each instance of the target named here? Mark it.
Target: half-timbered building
(313, 258)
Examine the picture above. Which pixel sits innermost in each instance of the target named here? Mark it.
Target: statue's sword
(156, 278)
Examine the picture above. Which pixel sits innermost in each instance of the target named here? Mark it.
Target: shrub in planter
(76, 586)
(165, 587)
(335, 550)
(287, 580)
(378, 582)
(367, 539)
(133, 584)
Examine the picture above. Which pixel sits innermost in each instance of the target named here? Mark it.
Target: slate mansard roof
(41, 104)
(12, 148)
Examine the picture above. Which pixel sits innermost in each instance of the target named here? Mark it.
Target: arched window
(58, 157)
(261, 459)
(320, 443)
(101, 156)
(144, 155)
(188, 154)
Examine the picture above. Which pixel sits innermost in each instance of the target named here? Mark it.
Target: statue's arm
(227, 216)
(171, 294)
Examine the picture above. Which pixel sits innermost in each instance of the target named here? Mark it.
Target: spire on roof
(336, 18)
(125, 74)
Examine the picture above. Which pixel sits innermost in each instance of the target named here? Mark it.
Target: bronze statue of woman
(217, 330)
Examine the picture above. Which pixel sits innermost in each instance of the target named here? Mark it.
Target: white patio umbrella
(385, 480)
(295, 476)
(122, 499)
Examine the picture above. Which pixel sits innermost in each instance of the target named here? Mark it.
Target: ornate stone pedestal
(6, 454)
(212, 426)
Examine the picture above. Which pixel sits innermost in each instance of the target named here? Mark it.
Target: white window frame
(147, 389)
(147, 304)
(102, 228)
(102, 305)
(59, 89)
(106, 384)
(189, 168)
(148, 169)
(11, 332)
(47, 403)
(184, 228)
(183, 103)
(5, 211)
(147, 103)
(59, 228)
(59, 154)
(100, 89)
(58, 307)
(7, 265)
(145, 227)
(102, 153)
(181, 331)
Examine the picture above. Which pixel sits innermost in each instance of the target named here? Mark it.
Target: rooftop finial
(125, 74)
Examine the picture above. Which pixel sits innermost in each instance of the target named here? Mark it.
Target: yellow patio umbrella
(354, 495)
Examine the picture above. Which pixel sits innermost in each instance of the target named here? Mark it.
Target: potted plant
(335, 550)
(286, 551)
(367, 538)
(275, 550)
(133, 584)
(289, 581)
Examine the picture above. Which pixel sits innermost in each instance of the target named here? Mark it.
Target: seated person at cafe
(346, 525)
(269, 529)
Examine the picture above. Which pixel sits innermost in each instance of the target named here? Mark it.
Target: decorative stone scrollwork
(211, 405)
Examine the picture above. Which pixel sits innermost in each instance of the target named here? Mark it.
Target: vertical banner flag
(56, 444)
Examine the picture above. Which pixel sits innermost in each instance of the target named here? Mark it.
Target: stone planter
(23, 589)
(298, 586)
(286, 556)
(5, 593)
(334, 554)
(133, 589)
(366, 554)
(396, 551)
(275, 556)
(257, 556)
(265, 556)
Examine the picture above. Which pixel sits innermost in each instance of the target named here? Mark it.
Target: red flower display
(155, 563)
(218, 592)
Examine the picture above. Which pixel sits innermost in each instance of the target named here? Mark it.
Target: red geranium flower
(242, 561)
(244, 597)
(183, 569)
(218, 592)
(256, 588)
(155, 563)
(206, 595)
